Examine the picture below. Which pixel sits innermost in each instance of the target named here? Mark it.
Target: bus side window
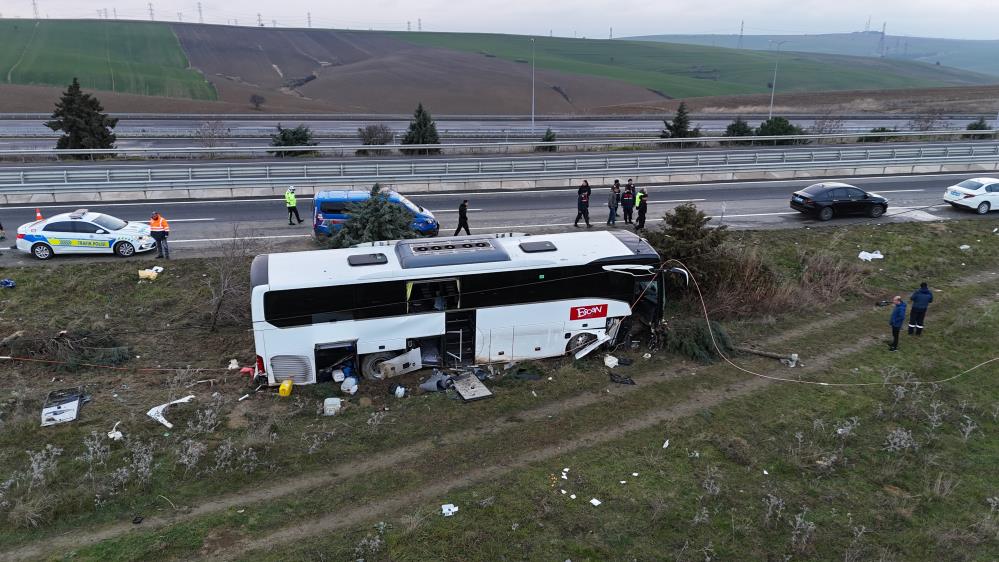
(430, 296)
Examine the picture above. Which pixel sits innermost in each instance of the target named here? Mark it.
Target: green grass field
(126, 57)
(689, 70)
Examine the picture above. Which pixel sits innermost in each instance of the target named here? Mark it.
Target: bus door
(435, 295)
(647, 291)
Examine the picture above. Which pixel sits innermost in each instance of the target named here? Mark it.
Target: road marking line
(179, 220)
(451, 210)
(898, 190)
(202, 240)
(149, 203)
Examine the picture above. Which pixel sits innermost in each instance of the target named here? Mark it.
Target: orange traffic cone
(38, 214)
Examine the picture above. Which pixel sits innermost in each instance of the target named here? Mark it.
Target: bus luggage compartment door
(537, 341)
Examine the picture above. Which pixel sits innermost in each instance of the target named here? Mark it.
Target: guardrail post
(377, 168)
(65, 176)
(107, 175)
(267, 170)
(190, 174)
(228, 173)
(305, 170)
(149, 174)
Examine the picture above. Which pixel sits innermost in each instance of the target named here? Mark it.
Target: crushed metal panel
(470, 388)
(62, 406)
(405, 363)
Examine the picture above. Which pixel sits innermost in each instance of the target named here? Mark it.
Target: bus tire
(579, 341)
(370, 363)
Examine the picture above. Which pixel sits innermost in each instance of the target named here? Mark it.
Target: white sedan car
(83, 232)
(980, 194)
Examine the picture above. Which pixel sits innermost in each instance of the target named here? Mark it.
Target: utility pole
(419, 24)
(611, 36)
(180, 17)
(115, 12)
(201, 15)
(868, 26)
(34, 8)
(532, 85)
(773, 84)
(260, 20)
(152, 15)
(881, 43)
(308, 16)
(409, 25)
(742, 32)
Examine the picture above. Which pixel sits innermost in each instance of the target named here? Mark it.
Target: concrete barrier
(253, 191)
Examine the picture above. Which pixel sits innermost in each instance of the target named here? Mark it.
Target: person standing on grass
(896, 321)
(921, 300)
(628, 201)
(292, 203)
(612, 202)
(159, 228)
(583, 204)
(462, 218)
(642, 204)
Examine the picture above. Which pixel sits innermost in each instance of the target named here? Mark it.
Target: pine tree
(299, 136)
(738, 128)
(685, 236)
(780, 126)
(374, 220)
(980, 125)
(549, 137)
(82, 120)
(680, 127)
(422, 130)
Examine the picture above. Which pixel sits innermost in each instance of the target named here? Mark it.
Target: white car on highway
(980, 194)
(83, 232)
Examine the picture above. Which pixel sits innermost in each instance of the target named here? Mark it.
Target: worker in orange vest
(160, 230)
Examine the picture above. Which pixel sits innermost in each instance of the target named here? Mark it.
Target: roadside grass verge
(290, 440)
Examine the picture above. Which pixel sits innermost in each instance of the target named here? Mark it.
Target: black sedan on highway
(831, 199)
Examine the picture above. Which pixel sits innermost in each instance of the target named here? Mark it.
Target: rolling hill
(974, 55)
(322, 70)
(127, 57)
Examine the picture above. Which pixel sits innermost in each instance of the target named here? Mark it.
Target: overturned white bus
(449, 302)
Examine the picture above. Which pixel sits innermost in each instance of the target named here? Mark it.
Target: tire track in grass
(10, 73)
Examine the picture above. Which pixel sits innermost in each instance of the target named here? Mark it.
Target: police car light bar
(78, 214)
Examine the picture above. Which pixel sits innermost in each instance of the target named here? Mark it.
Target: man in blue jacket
(921, 300)
(897, 319)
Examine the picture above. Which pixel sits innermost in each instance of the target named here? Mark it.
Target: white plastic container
(332, 406)
(349, 386)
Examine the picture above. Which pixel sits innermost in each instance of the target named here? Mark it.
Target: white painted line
(898, 191)
(755, 215)
(451, 210)
(177, 220)
(676, 201)
(204, 240)
(156, 203)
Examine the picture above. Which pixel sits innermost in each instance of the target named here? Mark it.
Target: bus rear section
(395, 308)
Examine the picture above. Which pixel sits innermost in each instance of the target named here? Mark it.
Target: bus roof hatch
(421, 253)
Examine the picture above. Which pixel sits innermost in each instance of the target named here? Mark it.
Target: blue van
(330, 211)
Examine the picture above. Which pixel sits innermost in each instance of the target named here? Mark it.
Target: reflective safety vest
(289, 199)
(638, 198)
(159, 225)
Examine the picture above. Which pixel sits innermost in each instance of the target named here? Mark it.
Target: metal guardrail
(611, 144)
(318, 173)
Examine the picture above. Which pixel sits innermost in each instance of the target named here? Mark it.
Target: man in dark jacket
(583, 204)
(613, 200)
(921, 300)
(642, 204)
(896, 321)
(628, 201)
(462, 218)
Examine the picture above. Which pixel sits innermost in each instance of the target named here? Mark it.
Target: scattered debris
(211, 382)
(338, 375)
(765, 473)
(12, 337)
(486, 502)
(634, 474)
(147, 274)
(610, 361)
(332, 406)
(114, 434)
(349, 386)
(625, 362)
(243, 397)
(595, 502)
(525, 375)
(964, 247)
(157, 412)
(438, 382)
(665, 444)
(572, 496)
(868, 256)
(7, 284)
(624, 481)
(157, 269)
(646, 356)
(397, 390)
(233, 365)
(563, 492)
(240, 511)
(449, 509)
(285, 388)
(400, 365)
(137, 519)
(63, 406)
(615, 378)
(470, 388)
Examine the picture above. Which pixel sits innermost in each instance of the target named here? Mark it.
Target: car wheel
(42, 251)
(876, 211)
(825, 214)
(983, 208)
(124, 249)
(370, 364)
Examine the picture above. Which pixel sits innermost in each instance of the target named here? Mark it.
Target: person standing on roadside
(583, 204)
(291, 202)
(159, 228)
(628, 202)
(463, 218)
(896, 321)
(613, 200)
(642, 204)
(921, 300)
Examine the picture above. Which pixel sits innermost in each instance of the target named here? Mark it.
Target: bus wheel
(579, 341)
(370, 364)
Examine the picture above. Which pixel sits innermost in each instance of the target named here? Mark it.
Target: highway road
(200, 227)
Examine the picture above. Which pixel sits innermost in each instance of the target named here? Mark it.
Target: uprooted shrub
(71, 351)
(692, 338)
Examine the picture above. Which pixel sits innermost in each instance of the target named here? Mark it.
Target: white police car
(83, 232)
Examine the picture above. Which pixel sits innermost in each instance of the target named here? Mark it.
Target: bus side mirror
(681, 271)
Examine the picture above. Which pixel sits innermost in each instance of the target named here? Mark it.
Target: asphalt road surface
(199, 228)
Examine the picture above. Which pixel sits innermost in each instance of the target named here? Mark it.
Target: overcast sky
(975, 19)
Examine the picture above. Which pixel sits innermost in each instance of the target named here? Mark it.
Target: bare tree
(257, 100)
(228, 280)
(373, 135)
(928, 121)
(211, 134)
(828, 124)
